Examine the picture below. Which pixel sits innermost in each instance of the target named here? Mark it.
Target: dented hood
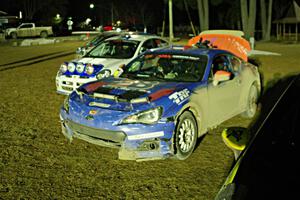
(127, 94)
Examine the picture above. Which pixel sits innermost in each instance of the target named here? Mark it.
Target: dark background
(150, 13)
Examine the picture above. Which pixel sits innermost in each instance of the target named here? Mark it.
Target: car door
(223, 97)
(25, 30)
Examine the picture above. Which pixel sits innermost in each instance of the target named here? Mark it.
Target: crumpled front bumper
(139, 147)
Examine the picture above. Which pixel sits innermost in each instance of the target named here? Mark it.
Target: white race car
(103, 60)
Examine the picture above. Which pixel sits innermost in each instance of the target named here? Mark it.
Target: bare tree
(189, 16)
(248, 14)
(203, 11)
(266, 16)
(30, 7)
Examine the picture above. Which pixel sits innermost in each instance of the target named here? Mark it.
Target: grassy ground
(36, 162)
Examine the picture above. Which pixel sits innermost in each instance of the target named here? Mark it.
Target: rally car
(103, 60)
(163, 101)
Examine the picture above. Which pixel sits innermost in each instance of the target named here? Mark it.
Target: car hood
(106, 62)
(127, 95)
(10, 29)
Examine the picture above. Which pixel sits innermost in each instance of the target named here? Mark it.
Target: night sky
(136, 12)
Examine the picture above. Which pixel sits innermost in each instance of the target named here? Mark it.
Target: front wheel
(186, 135)
(13, 35)
(251, 103)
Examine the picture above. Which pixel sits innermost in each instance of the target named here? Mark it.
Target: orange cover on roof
(234, 44)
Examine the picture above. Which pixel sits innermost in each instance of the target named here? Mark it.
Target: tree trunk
(171, 33)
(248, 17)
(263, 13)
(244, 15)
(203, 12)
(268, 32)
(252, 18)
(266, 16)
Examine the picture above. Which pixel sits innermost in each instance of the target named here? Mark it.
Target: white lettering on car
(179, 97)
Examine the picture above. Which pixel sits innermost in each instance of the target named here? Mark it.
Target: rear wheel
(44, 34)
(251, 103)
(186, 135)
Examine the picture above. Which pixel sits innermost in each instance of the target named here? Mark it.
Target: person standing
(70, 23)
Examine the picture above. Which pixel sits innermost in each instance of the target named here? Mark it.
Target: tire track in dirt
(34, 60)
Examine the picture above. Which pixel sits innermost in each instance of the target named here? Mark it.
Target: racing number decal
(179, 97)
(129, 84)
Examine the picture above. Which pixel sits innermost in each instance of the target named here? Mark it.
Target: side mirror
(236, 138)
(221, 76)
(119, 71)
(143, 49)
(81, 51)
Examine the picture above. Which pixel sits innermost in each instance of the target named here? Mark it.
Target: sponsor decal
(160, 93)
(93, 112)
(179, 97)
(132, 84)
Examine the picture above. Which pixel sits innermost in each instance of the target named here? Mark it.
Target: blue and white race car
(104, 59)
(162, 102)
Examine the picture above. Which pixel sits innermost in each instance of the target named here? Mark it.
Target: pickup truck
(28, 30)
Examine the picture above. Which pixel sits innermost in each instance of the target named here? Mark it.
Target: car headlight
(71, 67)
(89, 69)
(145, 117)
(63, 68)
(66, 104)
(103, 74)
(80, 67)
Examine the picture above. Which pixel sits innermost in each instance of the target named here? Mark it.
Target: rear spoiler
(226, 32)
(228, 40)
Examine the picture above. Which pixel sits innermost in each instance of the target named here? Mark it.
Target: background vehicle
(162, 102)
(268, 168)
(29, 30)
(103, 60)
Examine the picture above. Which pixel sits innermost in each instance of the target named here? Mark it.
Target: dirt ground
(36, 161)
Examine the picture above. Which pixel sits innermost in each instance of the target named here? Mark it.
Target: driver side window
(236, 64)
(147, 45)
(220, 63)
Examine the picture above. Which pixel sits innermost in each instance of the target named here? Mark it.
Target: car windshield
(120, 49)
(167, 67)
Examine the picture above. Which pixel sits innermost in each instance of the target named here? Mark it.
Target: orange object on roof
(234, 44)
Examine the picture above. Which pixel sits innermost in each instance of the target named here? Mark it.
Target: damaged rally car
(163, 101)
(103, 60)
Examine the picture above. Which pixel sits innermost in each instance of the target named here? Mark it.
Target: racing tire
(13, 35)
(44, 34)
(185, 137)
(251, 103)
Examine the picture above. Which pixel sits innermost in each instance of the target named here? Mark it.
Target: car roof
(187, 50)
(135, 37)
